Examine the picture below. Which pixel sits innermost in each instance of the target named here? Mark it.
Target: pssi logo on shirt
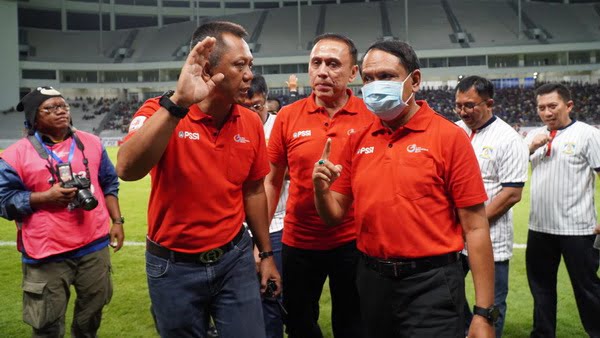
(240, 139)
(189, 135)
(302, 133)
(413, 148)
(365, 150)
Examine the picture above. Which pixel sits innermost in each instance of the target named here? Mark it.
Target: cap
(32, 101)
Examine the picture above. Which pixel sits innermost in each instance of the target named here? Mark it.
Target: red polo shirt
(297, 140)
(196, 203)
(407, 184)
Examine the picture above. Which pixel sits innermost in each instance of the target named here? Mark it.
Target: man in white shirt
(503, 160)
(564, 155)
(257, 102)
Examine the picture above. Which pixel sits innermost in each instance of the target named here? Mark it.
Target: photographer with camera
(60, 188)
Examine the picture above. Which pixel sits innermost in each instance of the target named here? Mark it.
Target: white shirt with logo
(503, 159)
(277, 222)
(563, 183)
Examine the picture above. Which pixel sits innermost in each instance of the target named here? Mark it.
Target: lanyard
(52, 153)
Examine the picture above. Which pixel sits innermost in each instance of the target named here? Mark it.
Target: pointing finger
(326, 150)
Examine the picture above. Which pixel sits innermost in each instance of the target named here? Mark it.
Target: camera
(271, 288)
(84, 198)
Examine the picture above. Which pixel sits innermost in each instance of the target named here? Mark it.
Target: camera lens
(86, 199)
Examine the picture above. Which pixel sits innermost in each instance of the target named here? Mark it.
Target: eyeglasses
(468, 107)
(256, 107)
(54, 109)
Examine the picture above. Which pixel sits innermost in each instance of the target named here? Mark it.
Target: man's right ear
(206, 72)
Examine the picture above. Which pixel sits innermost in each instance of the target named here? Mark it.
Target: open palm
(192, 86)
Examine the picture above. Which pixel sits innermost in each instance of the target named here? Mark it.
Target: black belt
(407, 267)
(206, 257)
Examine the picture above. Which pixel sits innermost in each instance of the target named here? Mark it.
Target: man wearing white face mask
(410, 175)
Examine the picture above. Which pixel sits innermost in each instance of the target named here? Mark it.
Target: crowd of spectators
(92, 105)
(516, 106)
(122, 116)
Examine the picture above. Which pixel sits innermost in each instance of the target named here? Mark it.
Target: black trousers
(304, 274)
(425, 304)
(581, 259)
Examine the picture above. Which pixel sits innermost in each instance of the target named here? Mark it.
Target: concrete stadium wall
(9, 54)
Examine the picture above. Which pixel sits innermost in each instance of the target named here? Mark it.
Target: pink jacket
(55, 230)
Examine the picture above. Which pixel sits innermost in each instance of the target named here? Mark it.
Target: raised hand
(538, 141)
(192, 86)
(292, 83)
(325, 172)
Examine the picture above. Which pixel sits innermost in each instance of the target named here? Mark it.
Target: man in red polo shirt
(207, 160)
(313, 251)
(416, 187)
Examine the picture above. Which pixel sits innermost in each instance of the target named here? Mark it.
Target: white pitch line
(127, 243)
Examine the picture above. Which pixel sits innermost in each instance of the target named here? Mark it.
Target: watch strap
(265, 254)
(171, 107)
(491, 313)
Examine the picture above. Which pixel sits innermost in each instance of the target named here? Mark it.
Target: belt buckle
(402, 268)
(211, 256)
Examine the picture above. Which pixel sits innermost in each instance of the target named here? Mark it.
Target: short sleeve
(464, 176)
(514, 164)
(277, 148)
(592, 151)
(260, 166)
(139, 118)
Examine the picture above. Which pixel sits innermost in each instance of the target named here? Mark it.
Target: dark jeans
(581, 259)
(184, 295)
(304, 273)
(425, 304)
(271, 310)
(500, 293)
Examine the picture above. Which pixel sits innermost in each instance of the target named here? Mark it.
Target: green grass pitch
(128, 313)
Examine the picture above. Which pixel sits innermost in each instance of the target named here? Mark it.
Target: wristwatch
(265, 254)
(120, 220)
(491, 313)
(175, 110)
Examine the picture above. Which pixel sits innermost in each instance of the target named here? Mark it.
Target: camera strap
(52, 153)
(81, 147)
(46, 154)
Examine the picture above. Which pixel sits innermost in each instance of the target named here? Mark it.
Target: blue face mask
(384, 98)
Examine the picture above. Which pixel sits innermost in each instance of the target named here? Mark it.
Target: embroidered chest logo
(189, 135)
(413, 148)
(365, 150)
(240, 139)
(486, 152)
(568, 148)
(301, 133)
(351, 131)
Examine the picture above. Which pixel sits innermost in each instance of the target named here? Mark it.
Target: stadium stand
(576, 19)
(355, 18)
(280, 31)
(434, 28)
(487, 24)
(57, 46)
